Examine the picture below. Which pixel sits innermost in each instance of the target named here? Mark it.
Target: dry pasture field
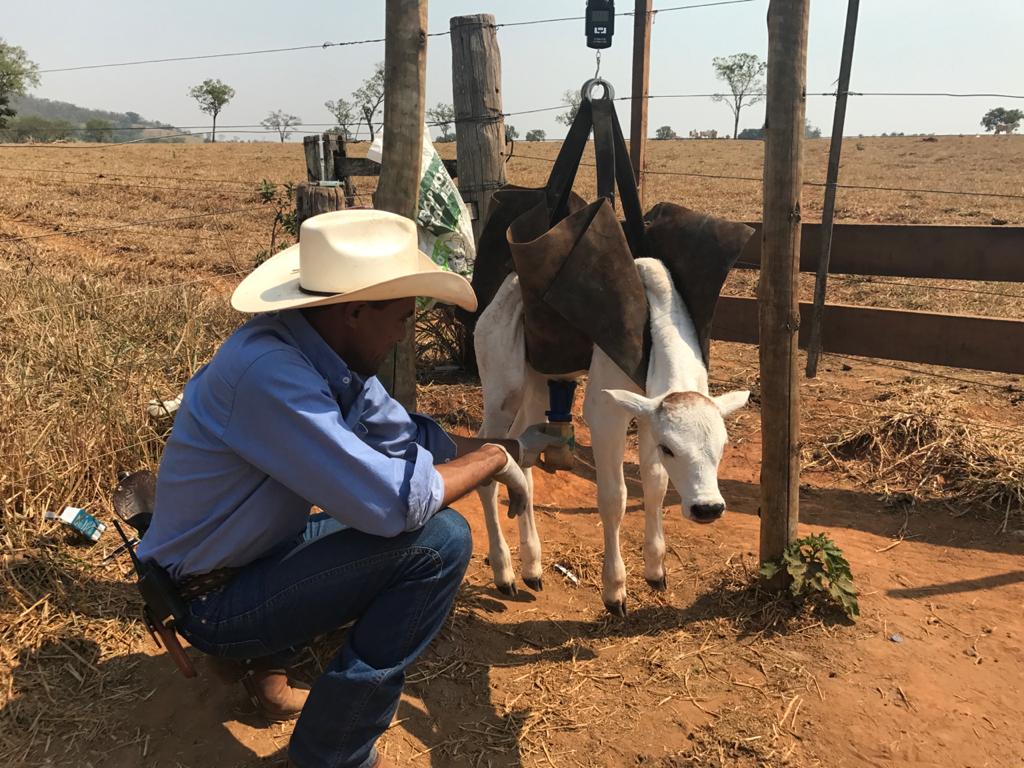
(920, 479)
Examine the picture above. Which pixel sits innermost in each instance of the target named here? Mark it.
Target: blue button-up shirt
(273, 424)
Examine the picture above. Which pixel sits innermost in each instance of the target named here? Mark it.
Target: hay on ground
(922, 448)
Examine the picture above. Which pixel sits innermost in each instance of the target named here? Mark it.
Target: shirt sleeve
(285, 421)
(391, 428)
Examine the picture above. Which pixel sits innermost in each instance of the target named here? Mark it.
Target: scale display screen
(600, 20)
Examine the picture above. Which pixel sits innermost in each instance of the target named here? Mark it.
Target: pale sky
(902, 45)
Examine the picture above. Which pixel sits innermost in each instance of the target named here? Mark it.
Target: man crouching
(287, 415)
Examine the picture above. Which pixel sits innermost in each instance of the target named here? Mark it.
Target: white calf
(681, 429)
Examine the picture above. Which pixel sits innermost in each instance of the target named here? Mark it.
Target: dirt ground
(709, 673)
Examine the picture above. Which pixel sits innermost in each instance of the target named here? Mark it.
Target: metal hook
(597, 72)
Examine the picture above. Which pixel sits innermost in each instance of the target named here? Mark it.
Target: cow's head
(689, 430)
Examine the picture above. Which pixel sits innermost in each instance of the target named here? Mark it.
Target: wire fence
(879, 407)
(366, 41)
(356, 129)
(759, 180)
(126, 225)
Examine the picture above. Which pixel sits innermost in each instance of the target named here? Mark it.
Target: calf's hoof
(617, 608)
(658, 585)
(508, 590)
(537, 585)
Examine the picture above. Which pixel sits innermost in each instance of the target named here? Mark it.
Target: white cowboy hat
(353, 255)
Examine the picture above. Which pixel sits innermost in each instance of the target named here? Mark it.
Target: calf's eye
(666, 451)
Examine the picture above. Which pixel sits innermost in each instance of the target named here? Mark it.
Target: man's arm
(525, 450)
(467, 445)
(470, 469)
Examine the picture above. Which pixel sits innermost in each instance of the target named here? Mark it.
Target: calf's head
(689, 430)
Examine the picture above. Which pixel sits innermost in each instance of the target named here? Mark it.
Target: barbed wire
(119, 296)
(347, 43)
(91, 182)
(94, 183)
(921, 371)
(759, 180)
(856, 280)
(114, 452)
(125, 225)
(84, 145)
(261, 129)
(879, 408)
(118, 174)
(189, 236)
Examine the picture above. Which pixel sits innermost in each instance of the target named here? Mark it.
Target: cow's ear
(731, 401)
(636, 404)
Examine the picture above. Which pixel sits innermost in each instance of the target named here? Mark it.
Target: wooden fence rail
(993, 253)
(910, 250)
(958, 341)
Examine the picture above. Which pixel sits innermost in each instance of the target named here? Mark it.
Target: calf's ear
(731, 401)
(638, 405)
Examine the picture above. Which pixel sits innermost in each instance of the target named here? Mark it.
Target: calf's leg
(608, 424)
(655, 480)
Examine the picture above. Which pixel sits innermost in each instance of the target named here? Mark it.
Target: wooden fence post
(310, 197)
(780, 267)
(346, 181)
(835, 149)
(311, 200)
(642, 20)
(330, 150)
(405, 63)
(314, 163)
(479, 122)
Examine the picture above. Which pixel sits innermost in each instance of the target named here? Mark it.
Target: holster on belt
(162, 606)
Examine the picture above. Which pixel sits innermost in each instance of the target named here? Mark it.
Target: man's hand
(512, 477)
(488, 463)
(532, 444)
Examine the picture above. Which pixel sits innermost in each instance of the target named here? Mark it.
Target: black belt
(201, 584)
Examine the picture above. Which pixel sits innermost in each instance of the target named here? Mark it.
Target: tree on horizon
(1002, 120)
(344, 113)
(282, 122)
(17, 74)
(742, 71)
(443, 115)
(212, 96)
(370, 96)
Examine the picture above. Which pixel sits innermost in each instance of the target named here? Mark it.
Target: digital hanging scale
(600, 21)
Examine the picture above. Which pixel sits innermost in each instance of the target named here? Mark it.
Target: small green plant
(815, 564)
(283, 202)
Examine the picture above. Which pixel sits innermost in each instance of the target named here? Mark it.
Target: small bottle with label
(81, 521)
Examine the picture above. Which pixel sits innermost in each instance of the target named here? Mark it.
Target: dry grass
(74, 381)
(923, 448)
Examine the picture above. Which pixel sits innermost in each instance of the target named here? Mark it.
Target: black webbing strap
(604, 147)
(611, 153)
(563, 173)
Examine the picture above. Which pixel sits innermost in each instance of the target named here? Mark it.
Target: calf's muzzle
(707, 513)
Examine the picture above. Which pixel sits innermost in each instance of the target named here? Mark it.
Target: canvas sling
(579, 285)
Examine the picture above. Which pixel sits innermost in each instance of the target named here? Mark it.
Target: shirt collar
(343, 381)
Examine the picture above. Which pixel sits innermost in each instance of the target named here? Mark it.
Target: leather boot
(267, 685)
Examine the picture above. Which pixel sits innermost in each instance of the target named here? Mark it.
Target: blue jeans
(399, 592)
